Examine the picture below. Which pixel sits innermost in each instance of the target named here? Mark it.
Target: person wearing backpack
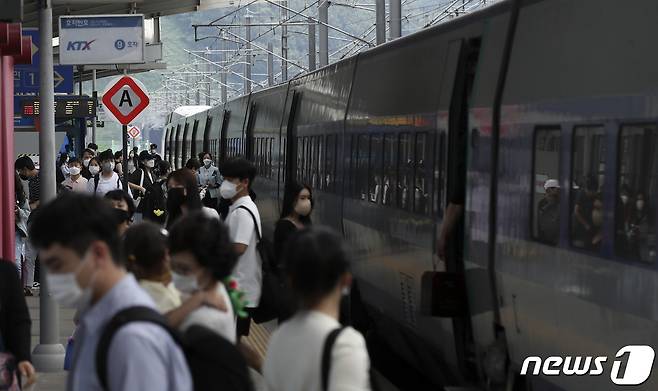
(107, 179)
(85, 271)
(312, 351)
(244, 226)
(142, 179)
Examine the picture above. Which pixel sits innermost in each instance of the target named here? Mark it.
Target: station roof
(149, 8)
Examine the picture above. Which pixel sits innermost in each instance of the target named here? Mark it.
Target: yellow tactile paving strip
(258, 339)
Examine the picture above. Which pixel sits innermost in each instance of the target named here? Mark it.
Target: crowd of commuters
(168, 275)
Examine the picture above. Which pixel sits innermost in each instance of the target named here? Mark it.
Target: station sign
(125, 99)
(101, 39)
(67, 107)
(26, 77)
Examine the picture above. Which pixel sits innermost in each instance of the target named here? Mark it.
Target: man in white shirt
(107, 179)
(75, 182)
(243, 219)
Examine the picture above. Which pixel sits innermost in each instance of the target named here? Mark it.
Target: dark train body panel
(380, 138)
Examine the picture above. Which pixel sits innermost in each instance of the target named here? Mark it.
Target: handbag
(269, 306)
(8, 370)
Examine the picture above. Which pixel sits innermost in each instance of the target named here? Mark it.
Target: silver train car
(519, 93)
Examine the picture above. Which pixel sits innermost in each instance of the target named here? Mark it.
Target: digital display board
(64, 108)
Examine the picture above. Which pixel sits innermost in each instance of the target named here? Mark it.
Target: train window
(423, 178)
(375, 172)
(635, 209)
(313, 161)
(439, 172)
(353, 165)
(545, 186)
(405, 170)
(330, 162)
(389, 174)
(587, 180)
(362, 166)
(321, 161)
(300, 158)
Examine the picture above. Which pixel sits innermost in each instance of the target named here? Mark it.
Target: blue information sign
(26, 77)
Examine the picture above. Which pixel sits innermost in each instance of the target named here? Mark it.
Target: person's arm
(241, 229)
(578, 212)
(211, 298)
(452, 215)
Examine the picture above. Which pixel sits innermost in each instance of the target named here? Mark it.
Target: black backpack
(272, 289)
(326, 361)
(209, 356)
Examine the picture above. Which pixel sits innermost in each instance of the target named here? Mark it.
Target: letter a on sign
(125, 99)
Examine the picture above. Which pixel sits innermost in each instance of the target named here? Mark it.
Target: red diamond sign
(133, 131)
(125, 99)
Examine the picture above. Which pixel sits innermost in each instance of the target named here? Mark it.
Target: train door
(223, 147)
(448, 297)
(249, 132)
(289, 142)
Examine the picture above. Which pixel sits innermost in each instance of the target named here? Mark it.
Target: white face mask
(185, 284)
(74, 171)
(94, 170)
(85, 162)
(65, 290)
(150, 163)
(303, 207)
(207, 162)
(228, 190)
(108, 166)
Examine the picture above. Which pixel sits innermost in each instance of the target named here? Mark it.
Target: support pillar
(395, 17)
(94, 93)
(248, 56)
(222, 60)
(48, 356)
(323, 16)
(270, 64)
(311, 45)
(380, 21)
(7, 218)
(284, 41)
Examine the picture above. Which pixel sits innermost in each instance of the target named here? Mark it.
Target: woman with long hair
(295, 215)
(183, 196)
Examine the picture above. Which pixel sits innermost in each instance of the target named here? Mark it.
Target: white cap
(551, 183)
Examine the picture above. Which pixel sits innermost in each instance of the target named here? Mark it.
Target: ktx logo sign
(79, 45)
(632, 365)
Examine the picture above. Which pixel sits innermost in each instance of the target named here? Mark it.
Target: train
(493, 104)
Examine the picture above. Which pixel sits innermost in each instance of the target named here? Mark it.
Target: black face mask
(121, 216)
(175, 198)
